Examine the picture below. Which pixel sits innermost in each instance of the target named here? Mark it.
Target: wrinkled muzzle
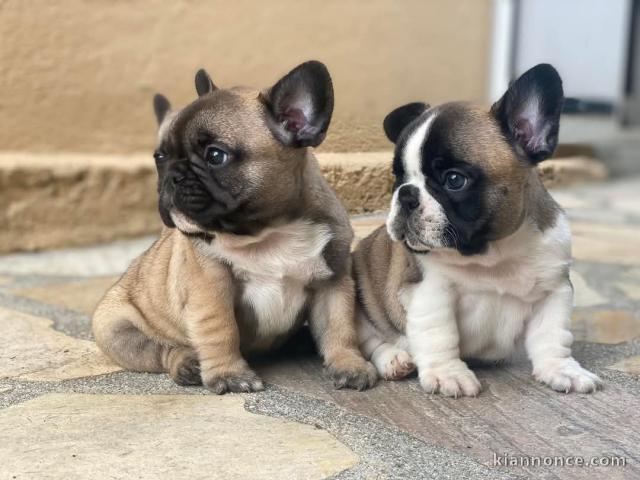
(417, 219)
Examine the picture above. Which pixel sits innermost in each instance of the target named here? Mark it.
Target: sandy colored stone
(583, 294)
(628, 365)
(363, 181)
(606, 243)
(571, 171)
(65, 200)
(606, 326)
(86, 195)
(81, 296)
(166, 436)
(31, 350)
(4, 280)
(98, 198)
(363, 226)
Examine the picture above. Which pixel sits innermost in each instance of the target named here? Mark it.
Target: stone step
(55, 200)
(616, 145)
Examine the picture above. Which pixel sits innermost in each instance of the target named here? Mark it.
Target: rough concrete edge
(362, 180)
(63, 163)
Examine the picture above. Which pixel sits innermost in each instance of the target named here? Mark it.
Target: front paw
(352, 371)
(393, 363)
(244, 381)
(566, 375)
(452, 379)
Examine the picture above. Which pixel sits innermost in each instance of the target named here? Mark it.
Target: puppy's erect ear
(161, 107)
(529, 112)
(204, 84)
(402, 116)
(300, 105)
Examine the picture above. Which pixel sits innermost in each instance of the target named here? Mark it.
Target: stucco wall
(78, 75)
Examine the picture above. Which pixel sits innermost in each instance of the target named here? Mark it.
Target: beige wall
(78, 75)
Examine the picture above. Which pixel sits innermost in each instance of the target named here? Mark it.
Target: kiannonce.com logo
(507, 460)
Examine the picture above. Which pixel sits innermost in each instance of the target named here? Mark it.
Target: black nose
(409, 197)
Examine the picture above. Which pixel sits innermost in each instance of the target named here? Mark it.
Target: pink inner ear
(523, 131)
(293, 119)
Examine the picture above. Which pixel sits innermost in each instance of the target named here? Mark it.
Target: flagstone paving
(67, 412)
(32, 350)
(164, 434)
(79, 295)
(630, 365)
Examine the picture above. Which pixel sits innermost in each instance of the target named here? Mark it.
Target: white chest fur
(274, 268)
(492, 296)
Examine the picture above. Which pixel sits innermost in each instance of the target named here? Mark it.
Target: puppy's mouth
(415, 244)
(401, 231)
(184, 223)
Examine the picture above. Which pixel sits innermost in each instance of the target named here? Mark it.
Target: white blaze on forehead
(412, 155)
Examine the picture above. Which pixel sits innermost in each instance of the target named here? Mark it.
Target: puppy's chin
(184, 223)
(417, 247)
(399, 231)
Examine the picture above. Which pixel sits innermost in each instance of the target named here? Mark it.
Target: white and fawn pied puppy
(474, 259)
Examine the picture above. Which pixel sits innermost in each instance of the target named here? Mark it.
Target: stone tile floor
(67, 412)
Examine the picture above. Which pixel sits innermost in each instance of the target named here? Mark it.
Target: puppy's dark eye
(455, 181)
(216, 157)
(159, 156)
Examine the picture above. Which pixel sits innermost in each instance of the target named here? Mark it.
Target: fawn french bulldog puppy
(255, 242)
(474, 259)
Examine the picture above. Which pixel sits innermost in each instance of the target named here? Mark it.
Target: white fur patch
(483, 306)
(275, 267)
(412, 154)
(184, 223)
(496, 293)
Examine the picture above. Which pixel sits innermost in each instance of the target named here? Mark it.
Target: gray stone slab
(100, 260)
(61, 436)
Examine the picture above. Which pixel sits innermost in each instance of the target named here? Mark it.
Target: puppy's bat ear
(300, 105)
(204, 84)
(395, 122)
(161, 107)
(529, 112)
